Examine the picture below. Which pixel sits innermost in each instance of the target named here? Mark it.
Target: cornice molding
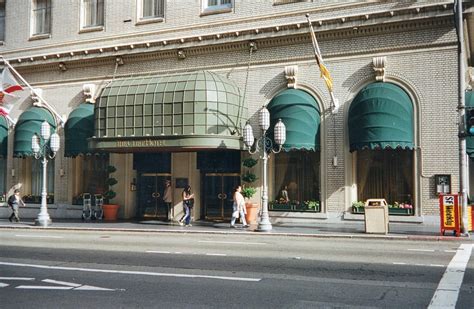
(337, 27)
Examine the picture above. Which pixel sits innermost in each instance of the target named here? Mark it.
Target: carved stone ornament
(34, 96)
(89, 92)
(379, 68)
(290, 74)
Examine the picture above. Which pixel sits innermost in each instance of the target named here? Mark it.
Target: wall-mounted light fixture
(62, 66)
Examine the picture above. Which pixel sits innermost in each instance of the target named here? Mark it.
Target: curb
(250, 233)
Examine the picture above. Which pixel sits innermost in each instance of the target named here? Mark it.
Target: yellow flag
(326, 75)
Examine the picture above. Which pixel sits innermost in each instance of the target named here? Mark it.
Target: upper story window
(2, 20)
(92, 15)
(216, 6)
(41, 15)
(151, 10)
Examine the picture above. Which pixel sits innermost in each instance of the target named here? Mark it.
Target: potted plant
(358, 207)
(110, 210)
(248, 190)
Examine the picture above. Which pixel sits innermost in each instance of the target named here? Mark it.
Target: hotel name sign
(140, 143)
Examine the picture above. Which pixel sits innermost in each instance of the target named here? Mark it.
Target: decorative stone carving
(290, 74)
(35, 96)
(89, 92)
(379, 68)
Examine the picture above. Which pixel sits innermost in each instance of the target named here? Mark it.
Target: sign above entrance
(173, 143)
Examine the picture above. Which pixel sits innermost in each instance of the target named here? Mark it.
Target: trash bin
(376, 216)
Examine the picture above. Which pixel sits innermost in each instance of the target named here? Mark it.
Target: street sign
(450, 214)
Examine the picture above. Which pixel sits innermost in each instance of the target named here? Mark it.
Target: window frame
(2, 21)
(96, 27)
(149, 19)
(216, 9)
(47, 22)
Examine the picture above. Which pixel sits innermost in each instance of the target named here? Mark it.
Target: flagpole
(43, 101)
(319, 61)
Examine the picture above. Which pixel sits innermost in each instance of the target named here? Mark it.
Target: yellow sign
(449, 216)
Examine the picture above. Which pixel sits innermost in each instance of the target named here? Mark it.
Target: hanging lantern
(35, 143)
(264, 118)
(45, 130)
(54, 143)
(280, 133)
(248, 135)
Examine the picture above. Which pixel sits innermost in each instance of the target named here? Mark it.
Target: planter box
(391, 211)
(292, 207)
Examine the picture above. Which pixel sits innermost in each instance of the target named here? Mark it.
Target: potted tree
(248, 190)
(110, 209)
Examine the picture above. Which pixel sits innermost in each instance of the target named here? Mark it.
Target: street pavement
(333, 228)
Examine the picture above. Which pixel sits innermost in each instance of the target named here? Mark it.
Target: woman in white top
(238, 207)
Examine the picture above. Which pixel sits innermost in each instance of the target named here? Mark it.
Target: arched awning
(381, 116)
(79, 127)
(28, 124)
(300, 113)
(189, 111)
(469, 102)
(3, 136)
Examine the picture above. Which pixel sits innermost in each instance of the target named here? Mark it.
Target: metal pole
(264, 223)
(462, 111)
(43, 217)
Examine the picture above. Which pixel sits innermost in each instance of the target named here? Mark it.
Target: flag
(319, 59)
(8, 86)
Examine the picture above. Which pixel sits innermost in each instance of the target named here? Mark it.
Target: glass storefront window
(385, 174)
(297, 183)
(37, 182)
(3, 175)
(94, 175)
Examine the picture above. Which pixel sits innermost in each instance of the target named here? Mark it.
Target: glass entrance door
(150, 190)
(218, 189)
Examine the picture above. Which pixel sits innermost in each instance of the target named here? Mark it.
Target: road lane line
(162, 252)
(39, 236)
(143, 273)
(216, 254)
(446, 295)
(17, 278)
(74, 285)
(42, 287)
(421, 250)
(233, 242)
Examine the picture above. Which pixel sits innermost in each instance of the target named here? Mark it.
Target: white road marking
(162, 252)
(399, 263)
(143, 273)
(43, 287)
(2, 285)
(74, 285)
(410, 264)
(446, 295)
(39, 236)
(421, 250)
(17, 278)
(216, 254)
(233, 242)
(450, 251)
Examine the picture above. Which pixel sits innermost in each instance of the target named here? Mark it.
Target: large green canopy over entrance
(3, 136)
(189, 111)
(28, 124)
(300, 113)
(381, 116)
(79, 127)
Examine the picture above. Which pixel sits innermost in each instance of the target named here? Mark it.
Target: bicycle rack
(86, 207)
(98, 211)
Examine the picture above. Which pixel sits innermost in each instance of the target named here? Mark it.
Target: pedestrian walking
(188, 202)
(15, 201)
(238, 207)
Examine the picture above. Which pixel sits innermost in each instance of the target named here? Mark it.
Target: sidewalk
(323, 229)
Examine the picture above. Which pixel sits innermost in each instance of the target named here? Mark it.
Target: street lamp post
(44, 147)
(264, 145)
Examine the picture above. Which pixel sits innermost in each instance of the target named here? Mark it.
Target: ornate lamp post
(264, 145)
(44, 147)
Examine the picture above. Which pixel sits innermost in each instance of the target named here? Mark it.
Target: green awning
(381, 116)
(28, 124)
(3, 136)
(469, 102)
(79, 127)
(300, 113)
(189, 111)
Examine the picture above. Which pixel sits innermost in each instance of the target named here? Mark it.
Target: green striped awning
(79, 127)
(300, 113)
(381, 116)
(3, 136)
(469, 102)
(28, 124)
(197, 110)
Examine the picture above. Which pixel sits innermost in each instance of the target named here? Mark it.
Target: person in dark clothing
(15, 201)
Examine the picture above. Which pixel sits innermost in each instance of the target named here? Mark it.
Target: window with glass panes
(41, 17)
(297, 173)
(152, 8)
(217, 4)
(2, 20)
(37, 180)
(385, 173)
(92, 13)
